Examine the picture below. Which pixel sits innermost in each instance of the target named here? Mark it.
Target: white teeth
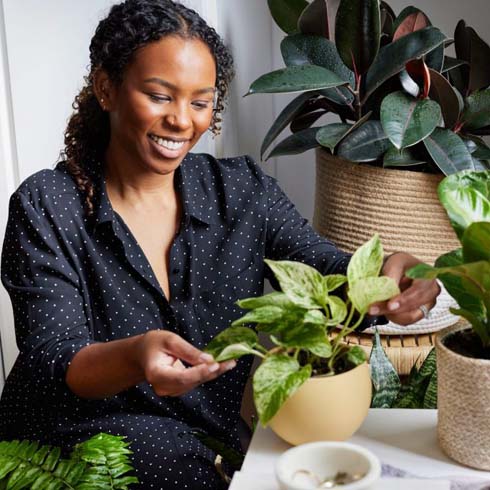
(169, 144)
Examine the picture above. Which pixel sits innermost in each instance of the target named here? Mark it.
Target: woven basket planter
(353, 201)
(463, 399)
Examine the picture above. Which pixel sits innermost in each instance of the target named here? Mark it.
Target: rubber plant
(465, 272)
(401, 102)
(301, 321)
(101, 462)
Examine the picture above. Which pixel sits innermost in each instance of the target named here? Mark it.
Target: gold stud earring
(102, 103)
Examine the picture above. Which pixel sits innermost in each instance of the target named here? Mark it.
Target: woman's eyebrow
(171, 86)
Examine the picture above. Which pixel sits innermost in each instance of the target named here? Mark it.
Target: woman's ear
(103, 89)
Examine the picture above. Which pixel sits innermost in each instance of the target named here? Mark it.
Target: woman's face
(163, 105)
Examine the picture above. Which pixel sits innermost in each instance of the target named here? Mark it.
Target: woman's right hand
(160, 358)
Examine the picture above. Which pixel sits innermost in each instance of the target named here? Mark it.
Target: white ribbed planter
(463, 400)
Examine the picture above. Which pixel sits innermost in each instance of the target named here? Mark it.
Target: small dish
(338, 465)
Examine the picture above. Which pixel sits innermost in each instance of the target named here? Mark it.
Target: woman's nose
(179, 118)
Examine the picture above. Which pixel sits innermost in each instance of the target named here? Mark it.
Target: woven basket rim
(469, 361)
(398, 174)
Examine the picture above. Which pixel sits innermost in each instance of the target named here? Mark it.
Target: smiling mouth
(168, 143)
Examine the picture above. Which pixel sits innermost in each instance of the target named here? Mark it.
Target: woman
(124, 261)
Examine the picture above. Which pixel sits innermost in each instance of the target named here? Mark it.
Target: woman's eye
(159, 98)
(198, 104)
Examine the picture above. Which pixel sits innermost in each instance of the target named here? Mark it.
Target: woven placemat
(402, 350)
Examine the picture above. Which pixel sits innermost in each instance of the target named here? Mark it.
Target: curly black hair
(131, 25)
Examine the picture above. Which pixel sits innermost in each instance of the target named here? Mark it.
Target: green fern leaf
(101, 463)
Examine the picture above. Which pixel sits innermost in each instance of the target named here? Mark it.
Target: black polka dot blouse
(76, 280)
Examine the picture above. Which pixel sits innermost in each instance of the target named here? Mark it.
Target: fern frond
(108, 456)
(102, 463)
(25, 465)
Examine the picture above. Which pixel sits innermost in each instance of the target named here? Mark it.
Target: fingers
(170, 381)
(181, 349)
(404, 308)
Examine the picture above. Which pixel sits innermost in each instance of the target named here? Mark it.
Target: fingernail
(393, 306)
(213, 367)
(374, 310)
(205, 357)
(230, 365)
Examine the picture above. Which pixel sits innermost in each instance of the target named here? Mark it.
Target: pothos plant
(401, 102)
(301, 322)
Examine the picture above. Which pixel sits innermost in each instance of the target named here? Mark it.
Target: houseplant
(100, 462)
(402, 105)
(463, 353)
(309, 358)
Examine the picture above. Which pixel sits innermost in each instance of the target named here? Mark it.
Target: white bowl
(325, 459)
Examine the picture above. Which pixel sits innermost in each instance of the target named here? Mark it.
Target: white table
(405, 439)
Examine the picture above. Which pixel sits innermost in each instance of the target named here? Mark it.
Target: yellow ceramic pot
(325, 408)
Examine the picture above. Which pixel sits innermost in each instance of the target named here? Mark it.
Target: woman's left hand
(405, 308)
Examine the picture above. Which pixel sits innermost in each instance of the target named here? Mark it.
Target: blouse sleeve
(291, 237)
(49, 313)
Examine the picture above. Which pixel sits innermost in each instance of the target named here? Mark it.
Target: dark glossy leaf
(482, 153)
(409, 85)
(305, 121)
(476, 242)
(452, 63)
(404, 14)
(411, 23)
(386, 382)
(296, 79)
(412, 17)
(477, 111)
(448, 151)
(419, 72)
(286, 13)
(471, 48)
(274, 381)
(314, 19)
(358, 33)
(284, 118)
(392, 58)
(482, 131)
(387, 21)
(443, 92)
(331, 135)
(296, 143)
(406, 120)
(386, 7)
(365, 144)
(300, 49)
(404, 158)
